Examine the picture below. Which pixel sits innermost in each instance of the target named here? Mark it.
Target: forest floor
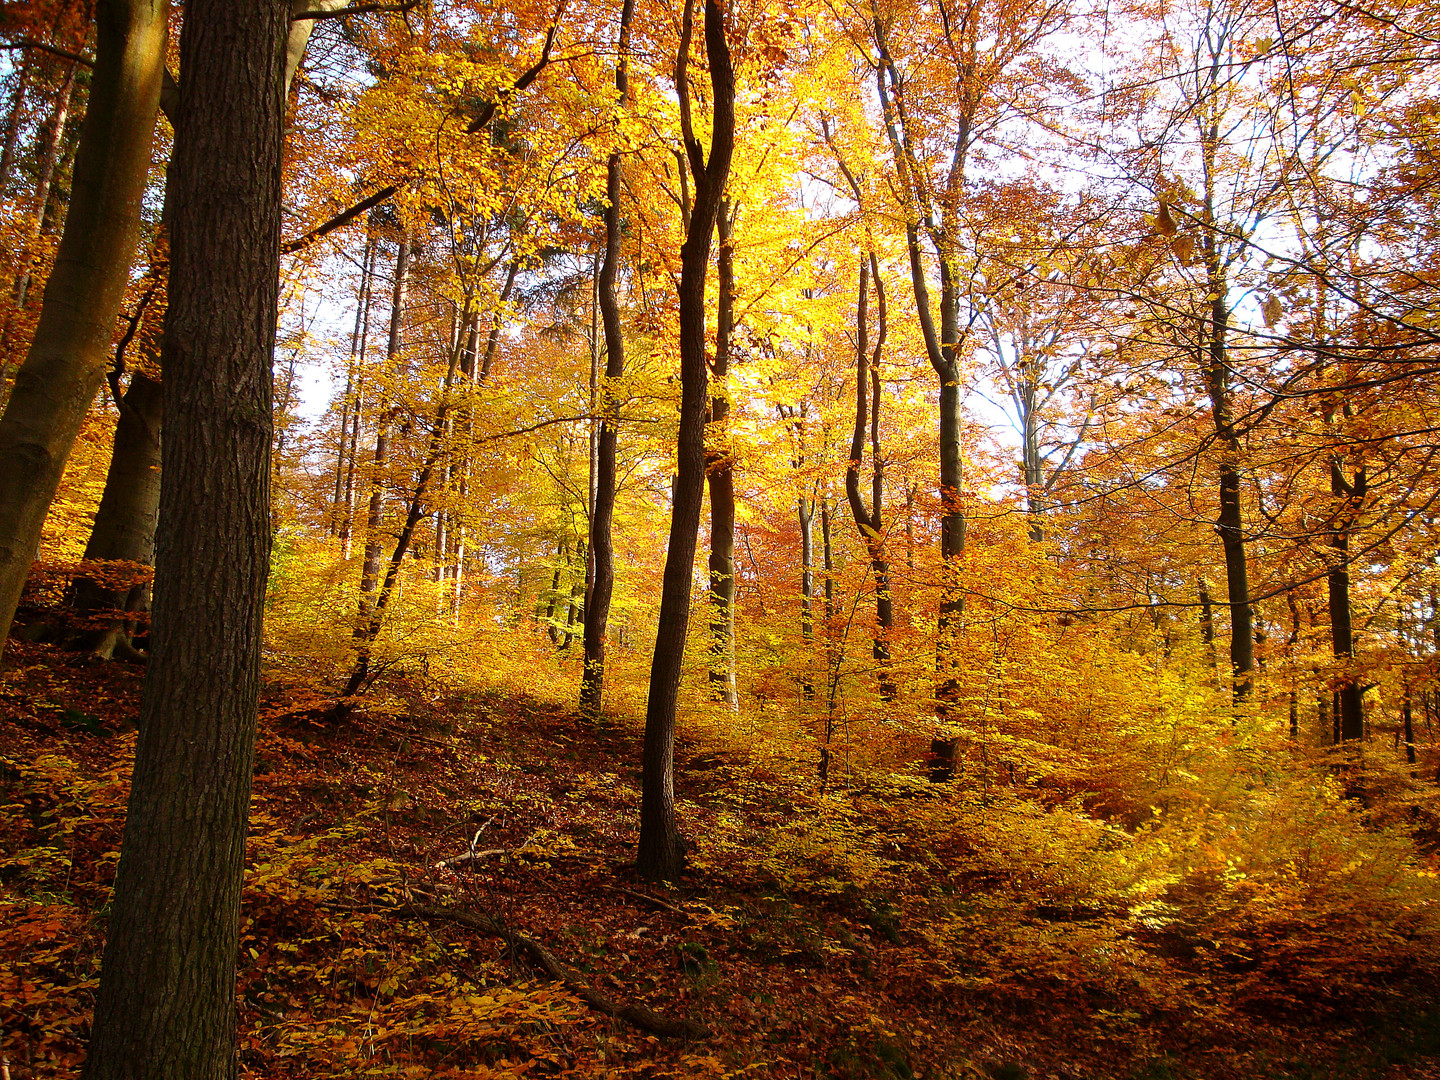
(855, 934)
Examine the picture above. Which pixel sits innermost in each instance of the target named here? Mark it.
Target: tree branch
(342, 218)
(357, 9)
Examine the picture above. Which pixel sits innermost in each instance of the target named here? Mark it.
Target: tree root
(634, 1015)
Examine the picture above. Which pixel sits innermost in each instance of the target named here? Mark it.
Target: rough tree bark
(66, 362)
(661, 852)
(165, 1009)
(602, 547)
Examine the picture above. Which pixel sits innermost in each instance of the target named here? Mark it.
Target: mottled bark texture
(661, 851)
(66, 362)
(166, 1003)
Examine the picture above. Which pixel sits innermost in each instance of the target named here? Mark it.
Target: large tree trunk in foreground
(166, 1004)
(66, 363)
(661, 852)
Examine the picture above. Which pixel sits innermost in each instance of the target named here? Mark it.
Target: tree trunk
(66, 363)
(124, 529)
(661, 852)
(1349, 697)
(870, 521)
(576, 606)
(602, 546)
(165, 1009)
(50, 140)
(368, 630)
(720, 474)
(14, 117)
(370, 570)
(807, 589)
(339, 525)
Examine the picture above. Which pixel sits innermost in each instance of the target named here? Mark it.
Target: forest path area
(411, 871)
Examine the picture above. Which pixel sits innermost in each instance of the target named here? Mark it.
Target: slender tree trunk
(720, 475)
(50, 141)
(352, 377)
(942, 347)
(370, 570)
(576, 607)
(553, 599)
(807, 589)
(14, 118)
(1207, 625)
(165, 1009)
(870, 520)
(661, 852)
(66, 362)
(602, 547)
(1407, 719)
(1349, 700)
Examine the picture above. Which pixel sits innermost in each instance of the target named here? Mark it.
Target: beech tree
(66, 362)
(166, 1005)
(661, 852)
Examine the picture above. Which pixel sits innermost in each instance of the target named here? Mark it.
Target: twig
(472, 854)
(648, 898)
(635, 1015)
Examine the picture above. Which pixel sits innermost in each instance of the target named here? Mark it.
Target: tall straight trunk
(1349, 697)
(870, 520)
(827, 561)
(66, 362)
(370, 570)
(942, 348)
(602, 546)
(51, 137)
(576, 607)
(553, 597)
(1407, 719)
(720, 475)
(1215, 363)
(1207, 624)
(165, 1009)
(52, 140)
(352, 380)
(807, 588)
(660, 855)
(14, 118)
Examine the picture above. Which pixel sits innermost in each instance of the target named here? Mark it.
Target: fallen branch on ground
(635, 1015)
